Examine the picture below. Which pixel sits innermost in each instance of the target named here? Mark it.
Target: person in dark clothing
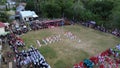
(3, 59)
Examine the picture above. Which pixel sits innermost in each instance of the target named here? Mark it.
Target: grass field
(65, 53)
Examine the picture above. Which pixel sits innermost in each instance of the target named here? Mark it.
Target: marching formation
(106, 59)
(51, 39)
(70, 35)
(31, 57)
(56, 38)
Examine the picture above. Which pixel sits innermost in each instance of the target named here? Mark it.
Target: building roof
(11, 3)
(2, 24)
(28, 14)
(20, 8)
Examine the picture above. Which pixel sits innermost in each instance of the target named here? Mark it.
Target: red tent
(56, 20)
(2, 24)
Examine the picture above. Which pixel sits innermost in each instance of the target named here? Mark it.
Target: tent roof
(28, 14)
(56, 20)
(20, 8)
(92, 22)
(2, 24)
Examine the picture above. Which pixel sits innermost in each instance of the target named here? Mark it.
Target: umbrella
(88, 63)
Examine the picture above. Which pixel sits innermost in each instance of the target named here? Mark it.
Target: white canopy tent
(2, 29)
(92, 22)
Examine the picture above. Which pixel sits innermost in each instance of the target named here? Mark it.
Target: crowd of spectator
(30, 58)
(33, 57)
(114, 31)
(107, 59)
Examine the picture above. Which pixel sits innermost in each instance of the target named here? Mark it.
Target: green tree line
(104, 12)
(4, 17)
(2, 2)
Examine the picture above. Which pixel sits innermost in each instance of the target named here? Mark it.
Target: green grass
(48, 51)
(65, 53)
(60, 64)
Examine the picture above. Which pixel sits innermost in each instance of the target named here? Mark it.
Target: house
(2, 7)
(20, 8)
(10, 4)
(27, 15)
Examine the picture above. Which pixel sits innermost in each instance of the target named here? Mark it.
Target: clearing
(67, 52)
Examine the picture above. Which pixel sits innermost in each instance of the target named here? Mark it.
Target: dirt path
(5, 50)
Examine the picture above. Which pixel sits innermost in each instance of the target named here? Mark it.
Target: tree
(115, 16)
(65, 6)
(53, 11)
(101, 8)
(3, 1)
(30, 6)
(3, 17)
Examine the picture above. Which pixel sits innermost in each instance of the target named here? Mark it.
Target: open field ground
(67, 52)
